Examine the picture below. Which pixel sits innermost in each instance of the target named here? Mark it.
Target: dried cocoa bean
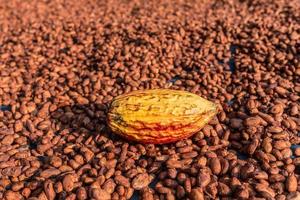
(291, 183)
(68, 182)
(99, 194)
(121, 180)
(197, 194)
(81, 193)
(141, 181)
(49, 173)
(203, 178)
(265, 191)
(215, 166)
(49, 190)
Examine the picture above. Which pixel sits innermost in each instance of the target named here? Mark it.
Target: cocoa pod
(159, 115)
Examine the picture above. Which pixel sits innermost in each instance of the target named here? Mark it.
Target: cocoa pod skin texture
(159, 115)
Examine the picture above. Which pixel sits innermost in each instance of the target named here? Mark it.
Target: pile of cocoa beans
(62, 62)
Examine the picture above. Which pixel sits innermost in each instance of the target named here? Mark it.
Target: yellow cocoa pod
(159, 115)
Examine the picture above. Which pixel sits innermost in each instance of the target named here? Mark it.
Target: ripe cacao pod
(159, 115)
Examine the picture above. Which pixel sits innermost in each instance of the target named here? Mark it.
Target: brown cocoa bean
(147, 194)
(260, 175)
(197, 194)
(121, 180)
(17, 186)
(49, 190)
(18, 126)
(215, 166)
(223, 189)
(236, 123)
(187, 185)
(99, 194)
(281, 144)
(293, 196)
(129, 193)
(266, 145)
(49, 173)
(297, 152)
(211, 190)
(276, 178)
(55, 161)
(81, 193)
(170, 196)
(291, 183)
(276, 109)
(7, 140)
(140, 181)
(180, 192)
(185, 149)
(26, 192)
(68, 182)
(109, 186)
(191, 154)
(44, 111)
(253, 121)
(252, 146)
(202, 161)
(11, 171)
(242, 193)
(265, 191)
(10, 195)
(203, 178)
